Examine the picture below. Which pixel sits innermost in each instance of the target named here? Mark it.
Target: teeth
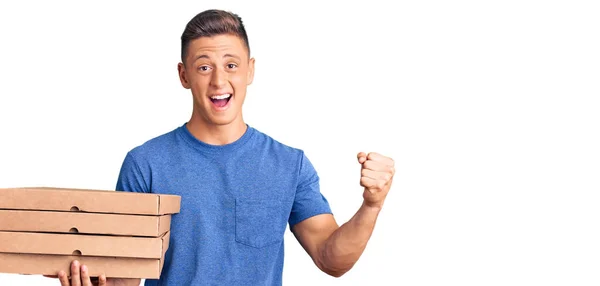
(222, 96)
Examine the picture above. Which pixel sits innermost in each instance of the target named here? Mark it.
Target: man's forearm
(344, 247)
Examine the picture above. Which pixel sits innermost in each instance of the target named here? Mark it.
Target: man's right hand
(80, 277)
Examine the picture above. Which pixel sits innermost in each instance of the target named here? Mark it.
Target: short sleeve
(130, 177)
(308, 201)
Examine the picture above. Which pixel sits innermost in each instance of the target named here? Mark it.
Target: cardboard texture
(115, 267)
(86, 245)
(51, 264)
(119, 234)
(86, 223)
(95, 201)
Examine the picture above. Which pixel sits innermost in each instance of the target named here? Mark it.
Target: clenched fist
(377, 173)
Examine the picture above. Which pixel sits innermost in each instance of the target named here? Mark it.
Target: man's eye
(204, 68)
(232, 66)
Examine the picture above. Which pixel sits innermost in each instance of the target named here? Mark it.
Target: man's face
(217, 70)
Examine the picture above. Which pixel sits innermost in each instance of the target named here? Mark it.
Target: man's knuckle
(390, 170)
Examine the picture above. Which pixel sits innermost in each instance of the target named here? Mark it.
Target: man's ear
(183, 76)
(250, 71)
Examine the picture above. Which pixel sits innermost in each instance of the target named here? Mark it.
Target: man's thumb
(362, 157)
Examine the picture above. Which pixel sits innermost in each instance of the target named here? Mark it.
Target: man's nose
(219, 78)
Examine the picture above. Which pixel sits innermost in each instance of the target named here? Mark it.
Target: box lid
(47, 264)
(83, 245)
(86, 223)
(96, 201)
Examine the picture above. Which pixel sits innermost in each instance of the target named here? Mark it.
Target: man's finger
(368, 182)
(102, 280)
(362, 157)
(376, 175)
(373, 156)
(377, 166)
(75, 277)
(85, 276)
(64, 280)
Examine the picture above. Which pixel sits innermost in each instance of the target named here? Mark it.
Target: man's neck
(217, 134)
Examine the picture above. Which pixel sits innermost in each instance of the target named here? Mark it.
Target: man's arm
(336, 249)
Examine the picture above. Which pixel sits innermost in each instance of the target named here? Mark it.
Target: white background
(489, 108)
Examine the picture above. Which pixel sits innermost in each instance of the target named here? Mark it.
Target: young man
(239, 187)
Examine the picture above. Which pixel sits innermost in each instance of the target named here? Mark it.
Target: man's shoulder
(275, 145)
(156, 144)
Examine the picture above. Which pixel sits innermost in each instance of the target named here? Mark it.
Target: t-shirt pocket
(259, 222)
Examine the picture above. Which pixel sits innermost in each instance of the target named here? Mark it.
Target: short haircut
(211, 23)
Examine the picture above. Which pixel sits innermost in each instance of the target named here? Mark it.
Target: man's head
(216, 66)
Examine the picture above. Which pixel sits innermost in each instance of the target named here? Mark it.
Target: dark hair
(212, 23)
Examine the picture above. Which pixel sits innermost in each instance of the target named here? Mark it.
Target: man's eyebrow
(201, 57)
(231, 56)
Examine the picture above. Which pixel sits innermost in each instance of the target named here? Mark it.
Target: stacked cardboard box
(120, 234)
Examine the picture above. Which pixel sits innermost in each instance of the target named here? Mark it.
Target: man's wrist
(372, 207)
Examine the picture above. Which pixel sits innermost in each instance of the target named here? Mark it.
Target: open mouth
(221, 100)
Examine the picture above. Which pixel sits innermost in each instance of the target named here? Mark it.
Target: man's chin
(223, 120)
